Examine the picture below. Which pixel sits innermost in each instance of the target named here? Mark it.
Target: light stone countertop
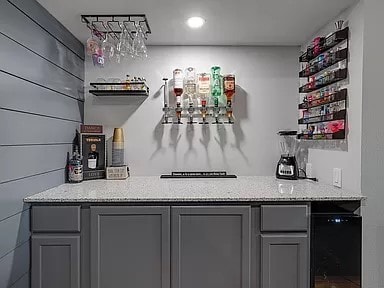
(154, 189)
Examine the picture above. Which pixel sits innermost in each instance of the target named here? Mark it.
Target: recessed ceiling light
(195, 22)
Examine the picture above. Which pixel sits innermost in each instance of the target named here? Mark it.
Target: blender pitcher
(287, 167)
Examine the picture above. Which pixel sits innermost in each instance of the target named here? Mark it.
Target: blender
(287, 167)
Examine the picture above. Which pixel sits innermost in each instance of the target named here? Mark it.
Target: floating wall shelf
(326, 44)
(322, 64)
(326, 136)
(339, 75)
(339, 115)
(334, 97)
(119, 89)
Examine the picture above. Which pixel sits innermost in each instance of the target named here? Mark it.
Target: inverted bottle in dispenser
(118, 147)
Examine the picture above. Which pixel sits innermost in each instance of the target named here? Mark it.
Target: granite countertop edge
(151, 189)
(191, 200)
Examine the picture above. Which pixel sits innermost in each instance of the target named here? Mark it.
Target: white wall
(326, 155)
(373, 145)
(266, 102)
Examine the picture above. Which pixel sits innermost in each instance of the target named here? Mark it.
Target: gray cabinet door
(55, 261)
(130, 247)
(211, 247)
(284, 261)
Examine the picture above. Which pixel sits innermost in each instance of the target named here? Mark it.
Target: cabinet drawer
(284, 218)
(56, 219)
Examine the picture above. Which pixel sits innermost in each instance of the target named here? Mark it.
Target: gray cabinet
(178, 246)
(211, 247)
(130, 247)
(55, 261)
(284, 261)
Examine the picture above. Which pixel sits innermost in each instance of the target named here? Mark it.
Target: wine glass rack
(113, 25)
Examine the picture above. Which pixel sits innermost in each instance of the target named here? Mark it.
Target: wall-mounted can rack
(324, 107)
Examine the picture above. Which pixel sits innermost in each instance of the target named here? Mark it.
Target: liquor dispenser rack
(324, 105)
(113, 25)
(206, 115)
(209, 114)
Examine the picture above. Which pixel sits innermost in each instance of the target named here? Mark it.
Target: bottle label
(204, 84)
(75, 173)
(178, 79)
(92, 163)
(178, 83)
(229, 85)
(190, 89)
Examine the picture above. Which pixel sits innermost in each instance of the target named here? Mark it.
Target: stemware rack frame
(113, 25)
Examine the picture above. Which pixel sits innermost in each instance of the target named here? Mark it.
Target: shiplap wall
(41, 105)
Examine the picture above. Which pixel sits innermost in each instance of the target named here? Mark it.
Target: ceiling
(228, 22)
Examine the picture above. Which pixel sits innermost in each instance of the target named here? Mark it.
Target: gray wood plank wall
(41, 105)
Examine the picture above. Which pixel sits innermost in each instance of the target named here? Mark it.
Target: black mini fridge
(336, 250)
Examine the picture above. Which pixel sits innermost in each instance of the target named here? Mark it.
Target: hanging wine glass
(141, 48)
(135, 43)
(94, 48)
(131, 49)
(121, 46)
(108, 48)
(92, 44)
(108, 45)
(128, 44)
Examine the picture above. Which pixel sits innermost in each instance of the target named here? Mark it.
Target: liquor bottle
(216, 85)
(178, 90)
(204, 82)
(190, 84)
(190, 90)
(75, 167)
(127, 85)
(229, 91)
(229, 88)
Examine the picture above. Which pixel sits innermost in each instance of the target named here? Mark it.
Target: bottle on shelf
(127, 85)
(178, 91)
(144, 84)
